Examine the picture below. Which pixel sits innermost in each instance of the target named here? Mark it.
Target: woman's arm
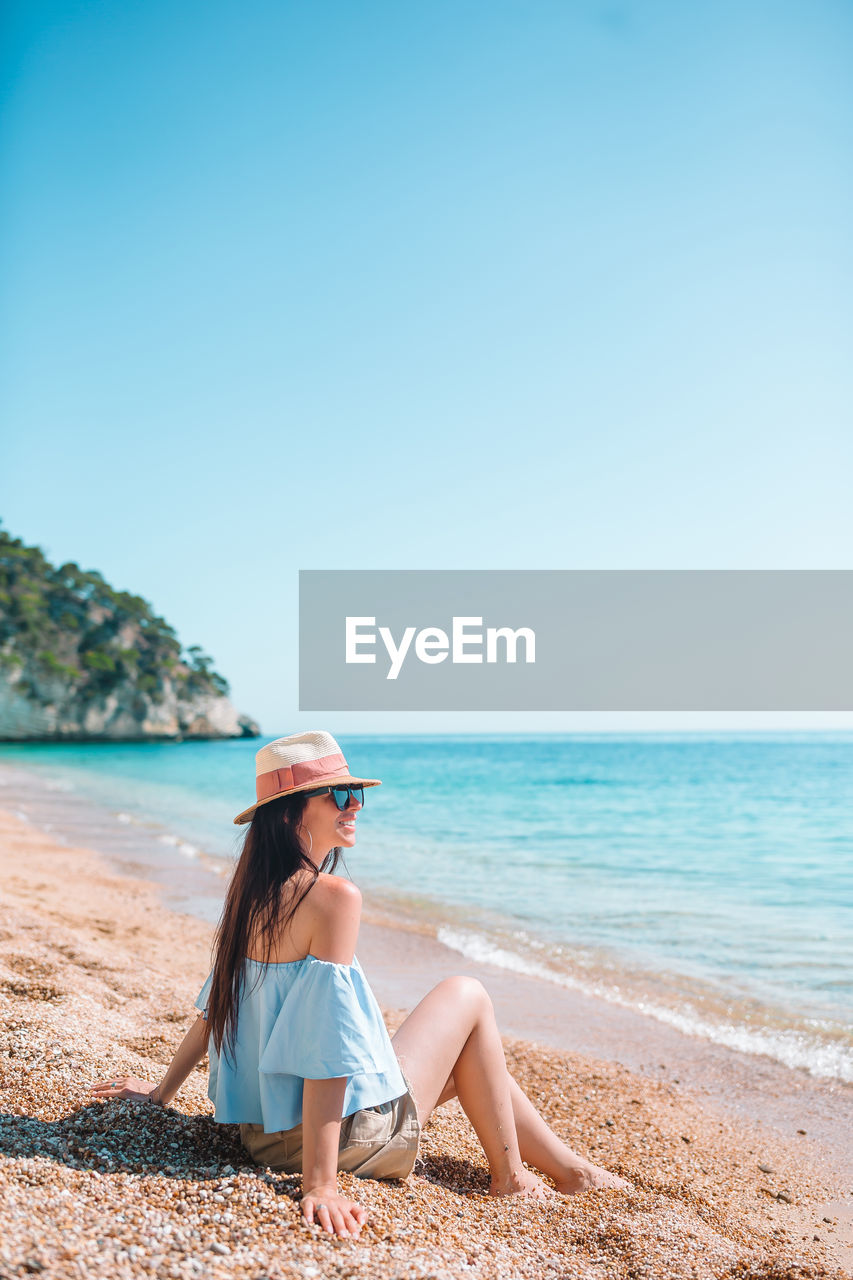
(322, 1104)
(333, 924)
(189, 1054)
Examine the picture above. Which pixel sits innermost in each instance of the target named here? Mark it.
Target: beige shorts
(376, 1142)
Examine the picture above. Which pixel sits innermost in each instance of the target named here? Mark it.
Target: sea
(704, 880)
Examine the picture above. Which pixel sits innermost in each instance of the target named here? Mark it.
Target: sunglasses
(341, 795)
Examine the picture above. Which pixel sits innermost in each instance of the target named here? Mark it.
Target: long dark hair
(272, 852)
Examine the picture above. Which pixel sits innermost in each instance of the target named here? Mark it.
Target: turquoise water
(707, 880)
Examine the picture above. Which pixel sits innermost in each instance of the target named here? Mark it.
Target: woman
(299, 1054)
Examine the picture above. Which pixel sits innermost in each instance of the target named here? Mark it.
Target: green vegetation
(69, 624)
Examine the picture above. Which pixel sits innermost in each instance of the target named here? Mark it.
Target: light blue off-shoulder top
(307, 1019)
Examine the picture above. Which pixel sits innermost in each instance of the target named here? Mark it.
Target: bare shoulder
(337, 890)
(335, 917)
(335, 899)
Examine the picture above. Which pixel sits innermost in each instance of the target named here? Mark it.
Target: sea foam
(792, 1048)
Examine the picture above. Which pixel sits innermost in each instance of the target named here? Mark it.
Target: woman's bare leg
(422, 1048)
(453, 1032)
(541, 1147)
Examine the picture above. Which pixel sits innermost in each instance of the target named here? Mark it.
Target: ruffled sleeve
(329, 1025)
(303, 1020)
(201, 1000)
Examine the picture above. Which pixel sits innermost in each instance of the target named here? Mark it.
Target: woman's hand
(125, 1087)
(332, 1212)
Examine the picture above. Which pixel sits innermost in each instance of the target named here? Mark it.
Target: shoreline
(192, 878)
(403, 958)
(403, 965)
(88, 992)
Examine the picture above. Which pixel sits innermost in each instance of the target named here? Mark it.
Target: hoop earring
(311, 843)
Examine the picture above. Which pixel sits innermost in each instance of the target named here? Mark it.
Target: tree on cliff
(67, 628)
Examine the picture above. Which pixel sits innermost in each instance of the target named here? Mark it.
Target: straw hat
(299, 763)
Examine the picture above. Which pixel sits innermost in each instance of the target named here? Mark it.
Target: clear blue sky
(474, 285)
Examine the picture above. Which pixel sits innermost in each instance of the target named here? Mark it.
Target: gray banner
(576, 640)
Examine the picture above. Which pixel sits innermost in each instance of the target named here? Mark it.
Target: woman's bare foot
(584, 1176)
(522, 1183)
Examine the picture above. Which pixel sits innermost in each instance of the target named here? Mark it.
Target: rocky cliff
(80, 661)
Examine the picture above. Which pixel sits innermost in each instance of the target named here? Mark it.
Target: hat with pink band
(299, 763)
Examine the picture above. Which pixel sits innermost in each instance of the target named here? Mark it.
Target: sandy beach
(739, 1164)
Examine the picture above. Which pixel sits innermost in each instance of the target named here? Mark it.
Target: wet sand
(97, 978)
